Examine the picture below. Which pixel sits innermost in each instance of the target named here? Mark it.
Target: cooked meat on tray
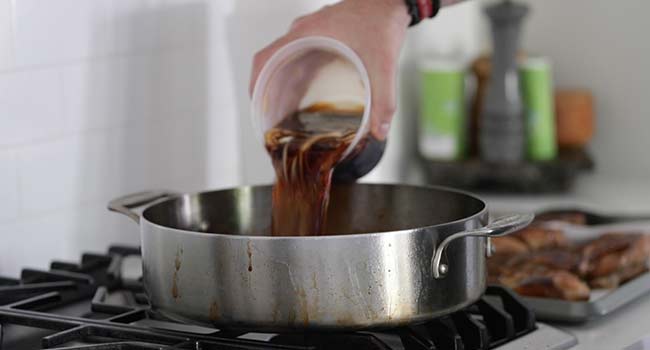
(538, 238)
(616, 279)
(559, 259)
(614, 258)
(541, 262)
(539, 281)
(509, 245)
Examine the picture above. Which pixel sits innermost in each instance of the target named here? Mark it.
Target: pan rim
(480, 213)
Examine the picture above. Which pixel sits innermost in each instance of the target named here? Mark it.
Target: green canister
(536, 87)
(442, 110)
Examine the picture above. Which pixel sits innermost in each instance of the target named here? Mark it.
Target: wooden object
(574, 114)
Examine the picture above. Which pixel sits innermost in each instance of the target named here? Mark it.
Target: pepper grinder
(501, 136)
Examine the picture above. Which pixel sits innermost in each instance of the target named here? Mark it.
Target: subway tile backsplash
(96, 94)
(61, 31)
(103, 98)
(65, 172)
(30, 106)
(10, 203)
(6, 35)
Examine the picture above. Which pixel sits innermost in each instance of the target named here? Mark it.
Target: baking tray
(602, 301)
(600, 304)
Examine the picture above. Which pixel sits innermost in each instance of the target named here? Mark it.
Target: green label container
(537, 95)
(442, 110)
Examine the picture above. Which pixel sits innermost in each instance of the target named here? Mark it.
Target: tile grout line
(176, 49)
(84, 132)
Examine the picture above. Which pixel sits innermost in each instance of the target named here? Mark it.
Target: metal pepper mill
(502, 128)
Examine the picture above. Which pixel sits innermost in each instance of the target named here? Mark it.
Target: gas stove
(99, 303)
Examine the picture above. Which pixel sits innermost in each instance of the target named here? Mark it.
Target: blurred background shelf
(556, 175)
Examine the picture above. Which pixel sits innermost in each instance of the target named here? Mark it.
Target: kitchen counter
(626, 196)
(617, 330)
(599, 192)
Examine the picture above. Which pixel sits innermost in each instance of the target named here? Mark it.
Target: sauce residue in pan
(214, 311)
(249, 252)
(177, 266)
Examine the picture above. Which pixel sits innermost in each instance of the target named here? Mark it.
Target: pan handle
(123, 205)
(500, 227)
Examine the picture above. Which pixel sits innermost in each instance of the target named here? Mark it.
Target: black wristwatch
(421, 9)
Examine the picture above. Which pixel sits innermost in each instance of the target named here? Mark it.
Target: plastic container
(443, 124)
(536, 86)
(314, 70)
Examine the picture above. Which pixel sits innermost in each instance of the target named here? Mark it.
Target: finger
(383, 105)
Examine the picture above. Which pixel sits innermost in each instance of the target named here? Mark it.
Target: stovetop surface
(99, 303)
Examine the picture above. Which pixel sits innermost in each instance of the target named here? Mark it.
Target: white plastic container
(307, 71)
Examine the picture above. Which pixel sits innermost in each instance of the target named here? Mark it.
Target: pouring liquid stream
(305, 147)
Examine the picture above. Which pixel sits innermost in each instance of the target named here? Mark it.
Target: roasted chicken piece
(511, 251)
(615, 279)
(606, 282)
(608, 244)
(614, 258)
(496, 265)
(539, 238)
(539, 281)
(508, 245)
(504, 249)
(540, 262)
(556, 259)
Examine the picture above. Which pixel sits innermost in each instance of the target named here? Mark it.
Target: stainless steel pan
(407, 254)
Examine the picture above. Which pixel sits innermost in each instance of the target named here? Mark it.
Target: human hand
(374, 29)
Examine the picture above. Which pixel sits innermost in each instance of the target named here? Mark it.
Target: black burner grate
(70, 304)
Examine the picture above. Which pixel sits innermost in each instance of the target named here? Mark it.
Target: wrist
(393, 12)
(398, 12)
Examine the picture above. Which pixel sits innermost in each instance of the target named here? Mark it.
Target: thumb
(383, 104)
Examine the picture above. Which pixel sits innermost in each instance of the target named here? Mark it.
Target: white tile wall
(96, 94)
(62, 235)
(10, 203)
(30, 106)
(65, 172)
(65, 30)
(146, 25)
(6, 35)
(103, 98)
